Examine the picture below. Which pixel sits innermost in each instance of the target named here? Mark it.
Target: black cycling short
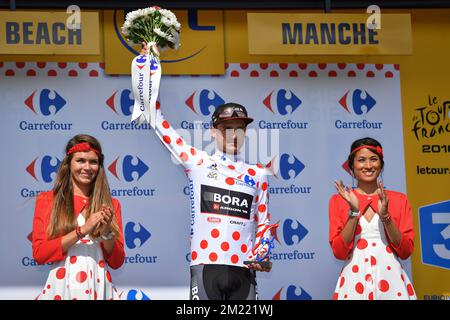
(222, 282)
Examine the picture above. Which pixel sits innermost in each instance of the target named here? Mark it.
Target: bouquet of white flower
(158, 29)
(152, 25)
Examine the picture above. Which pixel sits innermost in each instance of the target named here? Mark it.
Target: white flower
(159, 32)
(165, 26)
(166, 22)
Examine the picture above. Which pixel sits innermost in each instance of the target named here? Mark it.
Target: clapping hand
(383, 200)
(98, 219)
(347, 194)
(107, 213)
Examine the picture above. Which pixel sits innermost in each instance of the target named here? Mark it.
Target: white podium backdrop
(316, 111)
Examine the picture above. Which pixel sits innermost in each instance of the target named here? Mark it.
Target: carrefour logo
(133, 294)
(136, 235)
(129, 169)
(434, 223)
(288, 164)
(126, 169)
(122, 102)
(135, 232)
(357, 102)
(47, 103)
(289, 236)
(285, 103)
(292, 292)
(141, 60)
(44, 169)
(292, 232)
(289, 168)
(281, 101)
(206, 101)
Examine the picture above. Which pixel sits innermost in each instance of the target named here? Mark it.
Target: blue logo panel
(435, 234)
(131, 235)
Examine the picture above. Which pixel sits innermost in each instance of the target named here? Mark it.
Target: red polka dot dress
(82, 275)
(372, 270)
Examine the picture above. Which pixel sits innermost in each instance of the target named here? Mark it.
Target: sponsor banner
(201, 38)
(305, 118)
(38, 32)
(427, 138)
(226, 202)
(329, 34)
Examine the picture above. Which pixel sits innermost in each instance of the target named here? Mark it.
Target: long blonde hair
(63, 217)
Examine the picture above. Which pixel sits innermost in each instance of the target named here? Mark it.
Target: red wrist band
(80, 235)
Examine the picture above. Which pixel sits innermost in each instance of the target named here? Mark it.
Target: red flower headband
(82, 147)
(377, 149)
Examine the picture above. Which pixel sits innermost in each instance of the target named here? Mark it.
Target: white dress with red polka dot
(228, 201)
(373, 271)
(82, 275)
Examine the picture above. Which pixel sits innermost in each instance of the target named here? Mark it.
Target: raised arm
(187, 155)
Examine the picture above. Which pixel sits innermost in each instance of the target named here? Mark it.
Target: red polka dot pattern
(61, 273)
(410, 289)
(108, 276)
(361, 244)
(184, 157)
(342, 282)
(359, 288)
(229, 181)
(383, 285)
(215, 233)
(213, 256)
(167, 139)
(81, 276)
